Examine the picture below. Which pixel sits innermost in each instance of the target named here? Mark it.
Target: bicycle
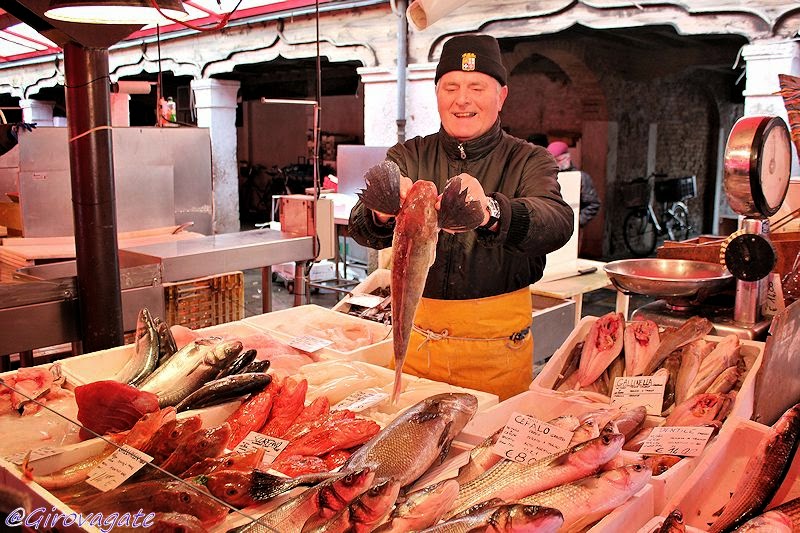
(642, 227)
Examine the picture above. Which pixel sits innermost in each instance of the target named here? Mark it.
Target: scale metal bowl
(681, 282)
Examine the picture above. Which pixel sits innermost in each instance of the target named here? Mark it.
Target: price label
(38, 453)
(309, 343)
(526, 439)
(117, 467)
(772, 300)
(360, 401)
(687, 441)
(272, 446)
(636, 391)
(365, 300)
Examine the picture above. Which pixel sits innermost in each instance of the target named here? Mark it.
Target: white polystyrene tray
(381, 277)
(752, 352)
(714, 478)
(655, 524)
(628, 516)
(281, 323)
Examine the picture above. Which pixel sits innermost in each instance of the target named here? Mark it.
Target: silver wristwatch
(494, 212)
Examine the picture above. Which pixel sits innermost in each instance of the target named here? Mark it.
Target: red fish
(231, 486)
(414, 243)
(334, 435)
(230, 461)
(200, 444)
(336, 458)
(110, 406)
(286, 408)
(299, 430)
(169, 436)
(602, 345)
(251, 415)
(298, 465)
(641, 341)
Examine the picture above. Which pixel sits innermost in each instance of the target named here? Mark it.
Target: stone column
(380, 103)
(215, 102)
(120, 110)
(38, 111)
(764, 61)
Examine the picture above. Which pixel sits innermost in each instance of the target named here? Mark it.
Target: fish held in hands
(414, 242)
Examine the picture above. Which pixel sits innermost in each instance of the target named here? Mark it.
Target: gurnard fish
(587, 500)
(602, 345)
(230, 461)
(168, 523)
(763, 473)
(414, 243)
(784, 518)
(641, 341)
(326, 498)
(201, 444)
(189, 369)
(169, 436)
(252, 414)
(422, 508)
(145, 353)
(510, 481)
(511, 518)
(673, 523)
(362, 515)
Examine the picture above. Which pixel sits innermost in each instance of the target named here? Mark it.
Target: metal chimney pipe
(87, 91)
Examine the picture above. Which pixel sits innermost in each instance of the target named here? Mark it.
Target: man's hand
(405, 186)
(474, 192)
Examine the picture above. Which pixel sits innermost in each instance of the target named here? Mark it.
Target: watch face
(775, 166)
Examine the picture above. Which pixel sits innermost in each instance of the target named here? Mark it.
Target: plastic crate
(204, 302)
(636, 193)
(675, 189)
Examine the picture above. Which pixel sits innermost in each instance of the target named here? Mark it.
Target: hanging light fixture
(115, 11)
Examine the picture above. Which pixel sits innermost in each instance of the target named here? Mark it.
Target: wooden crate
(203, 302)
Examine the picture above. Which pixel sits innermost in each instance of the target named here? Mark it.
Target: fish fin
(458, 212)
(382, 193)
(719, 511)
(444, 443)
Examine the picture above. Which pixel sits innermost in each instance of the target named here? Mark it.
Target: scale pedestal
(719, 311)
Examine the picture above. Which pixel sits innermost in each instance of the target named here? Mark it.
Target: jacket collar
(474, 148)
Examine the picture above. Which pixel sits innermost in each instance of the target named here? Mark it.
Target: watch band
(494, 213)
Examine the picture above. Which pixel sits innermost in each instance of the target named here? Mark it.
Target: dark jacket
(534, 219)
(590, 202)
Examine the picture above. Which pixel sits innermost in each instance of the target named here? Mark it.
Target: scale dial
(758, 164)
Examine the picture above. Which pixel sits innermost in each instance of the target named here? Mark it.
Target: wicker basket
(204, 302)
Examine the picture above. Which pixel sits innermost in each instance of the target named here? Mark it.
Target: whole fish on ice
(414, 243)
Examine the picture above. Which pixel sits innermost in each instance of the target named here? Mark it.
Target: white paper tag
(364, 300)
(272, 446)
(772, 300)
(117, 467)
(309, 343)
(38, 453)
(360, 401)
(526, 439)
(687, 441)
(631, 392)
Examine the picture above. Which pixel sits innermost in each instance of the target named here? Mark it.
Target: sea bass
(416, 439)
(512, 518)
(416, 234)
(764, 472)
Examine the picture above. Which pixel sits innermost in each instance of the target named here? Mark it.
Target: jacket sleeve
(590, 202)
(536, 220)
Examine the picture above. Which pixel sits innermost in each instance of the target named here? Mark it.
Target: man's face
(469, 103)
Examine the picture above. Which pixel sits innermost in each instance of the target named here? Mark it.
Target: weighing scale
(756, 178)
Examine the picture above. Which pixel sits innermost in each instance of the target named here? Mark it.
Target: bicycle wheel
(677, 222)
(639, 233)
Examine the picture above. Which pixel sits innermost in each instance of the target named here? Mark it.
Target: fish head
(230, 486)
(209, 442)
(597, 451)
(419, 207)
(457, 407)
(523, 518)
(376, 501)
(192, 499)
(633, 476)
(337, 493)
(673, 522)
(222, 353)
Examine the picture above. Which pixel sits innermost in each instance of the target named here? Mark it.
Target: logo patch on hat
(467, 61)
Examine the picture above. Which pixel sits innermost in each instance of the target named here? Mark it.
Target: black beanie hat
(472, 53)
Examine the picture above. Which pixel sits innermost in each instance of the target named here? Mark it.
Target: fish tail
(265, 485)
(398, 379)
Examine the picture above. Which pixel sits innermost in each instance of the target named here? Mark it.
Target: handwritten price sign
(526, 439)
(687, 441)
(272, 446)
(117, 467)
(636, 391)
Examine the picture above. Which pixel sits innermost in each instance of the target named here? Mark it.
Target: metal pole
(746, 308)
(402, 65)
(87, 92)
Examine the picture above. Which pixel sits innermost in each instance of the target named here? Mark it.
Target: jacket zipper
(461, 150)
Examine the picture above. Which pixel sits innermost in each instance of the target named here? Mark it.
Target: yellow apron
(484, 344)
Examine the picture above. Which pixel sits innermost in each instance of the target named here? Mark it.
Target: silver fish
(512, 518)
(481, 458)
(724, 355)
(145, 353)
(784, 518)
(587, 500)
(364, 514)
(694, 328)
(510, 481)
(691, 357)
(189, 369)
(416, 439)
(764, 472)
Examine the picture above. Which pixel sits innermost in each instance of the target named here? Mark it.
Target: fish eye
(185, 498)
(231, 491)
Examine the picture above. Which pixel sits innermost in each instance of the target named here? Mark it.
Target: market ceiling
(20, 41)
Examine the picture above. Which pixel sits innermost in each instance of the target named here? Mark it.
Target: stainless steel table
(215, 254)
